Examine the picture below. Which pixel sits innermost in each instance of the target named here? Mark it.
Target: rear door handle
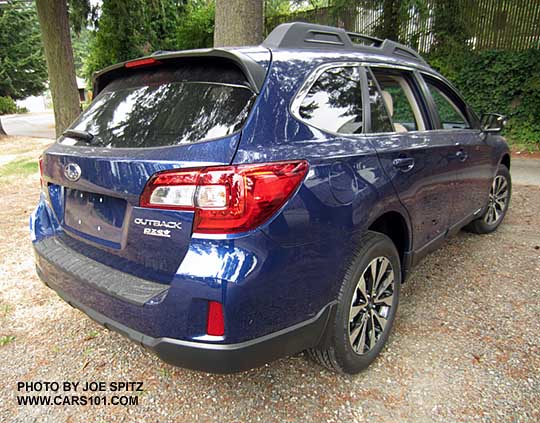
(403, 164)
(462, 155)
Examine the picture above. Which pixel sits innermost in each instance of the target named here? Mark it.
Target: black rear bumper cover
(218, 358)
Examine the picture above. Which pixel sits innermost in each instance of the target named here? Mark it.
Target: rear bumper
(276, 299)
(105, 279)
(212, 357)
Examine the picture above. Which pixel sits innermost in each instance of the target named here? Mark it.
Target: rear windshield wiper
(79, 135)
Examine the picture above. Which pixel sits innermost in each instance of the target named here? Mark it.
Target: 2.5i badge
(159, 228)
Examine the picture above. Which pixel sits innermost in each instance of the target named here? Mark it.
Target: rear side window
(334, 102)
(380, 122)
(167, 106)
(398, 94)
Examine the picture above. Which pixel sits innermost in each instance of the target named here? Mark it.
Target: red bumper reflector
(215, 324)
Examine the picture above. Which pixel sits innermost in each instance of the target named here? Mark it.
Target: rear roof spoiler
(254, 72)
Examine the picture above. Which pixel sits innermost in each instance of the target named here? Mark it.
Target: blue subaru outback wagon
(226, 207)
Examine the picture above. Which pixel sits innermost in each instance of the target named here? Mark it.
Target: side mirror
(493, 122)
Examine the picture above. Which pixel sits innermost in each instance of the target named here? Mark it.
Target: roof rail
(311, 36)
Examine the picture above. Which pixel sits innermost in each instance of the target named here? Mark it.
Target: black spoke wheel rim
(498, 199)
(371, 304)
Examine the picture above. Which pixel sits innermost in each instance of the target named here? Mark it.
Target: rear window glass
(164, 107)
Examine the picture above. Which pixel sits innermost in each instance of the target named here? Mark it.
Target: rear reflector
(215, 324)
(142, 62)
(226, 199)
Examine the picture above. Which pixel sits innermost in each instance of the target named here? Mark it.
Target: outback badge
(155, 224)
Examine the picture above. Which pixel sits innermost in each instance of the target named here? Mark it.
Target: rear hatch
(148, 116)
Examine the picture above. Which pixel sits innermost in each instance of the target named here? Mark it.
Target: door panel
(475, 174)
(421, 168)
(425, 189)
(473, 166)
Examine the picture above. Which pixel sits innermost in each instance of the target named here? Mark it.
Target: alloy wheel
(498, 197)
(371, 304)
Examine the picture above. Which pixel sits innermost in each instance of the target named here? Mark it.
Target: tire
(349, 344)
(497, 206)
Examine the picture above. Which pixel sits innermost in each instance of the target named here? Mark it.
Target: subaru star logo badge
(72, 172)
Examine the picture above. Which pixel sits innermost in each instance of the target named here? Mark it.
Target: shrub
(197, 26)
(506, 82)
(7, 106)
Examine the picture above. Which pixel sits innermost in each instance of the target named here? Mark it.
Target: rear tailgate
(147, 120)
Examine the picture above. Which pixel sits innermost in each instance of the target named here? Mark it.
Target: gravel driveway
(465, 348)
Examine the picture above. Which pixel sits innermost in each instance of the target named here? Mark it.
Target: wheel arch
(505, 160)
(395, 225)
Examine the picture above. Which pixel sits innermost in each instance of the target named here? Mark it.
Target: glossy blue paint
(287, 270)
(427, 189)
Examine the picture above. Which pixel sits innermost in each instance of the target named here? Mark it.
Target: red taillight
(142, 62)
(226, 199)
(215, 324)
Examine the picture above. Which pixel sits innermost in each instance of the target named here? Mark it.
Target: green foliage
(7, 106)
(196, 26)
(6, 339)
(276, 8)
(506, 82)
(165, 372)
(22, 66)
(121, 34)
(5, 309)
(80, 43)
(450, 27)
(402, 108)
(83, 16)
(91, 335)
(21, 167)
(162, 17)
(132, 28)
(81, 13)
(127, 29)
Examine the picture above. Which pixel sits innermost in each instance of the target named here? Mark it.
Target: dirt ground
(465, 347)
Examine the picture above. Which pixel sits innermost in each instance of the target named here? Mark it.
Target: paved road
(37, 124)
(526, 171)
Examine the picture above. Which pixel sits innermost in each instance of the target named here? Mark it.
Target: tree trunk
(391, 19)
(53, 20)
(2, 132)
(238, 22)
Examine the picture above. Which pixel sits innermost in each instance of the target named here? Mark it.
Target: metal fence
(492, 24)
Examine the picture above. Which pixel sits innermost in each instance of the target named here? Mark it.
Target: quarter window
(334, 102)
